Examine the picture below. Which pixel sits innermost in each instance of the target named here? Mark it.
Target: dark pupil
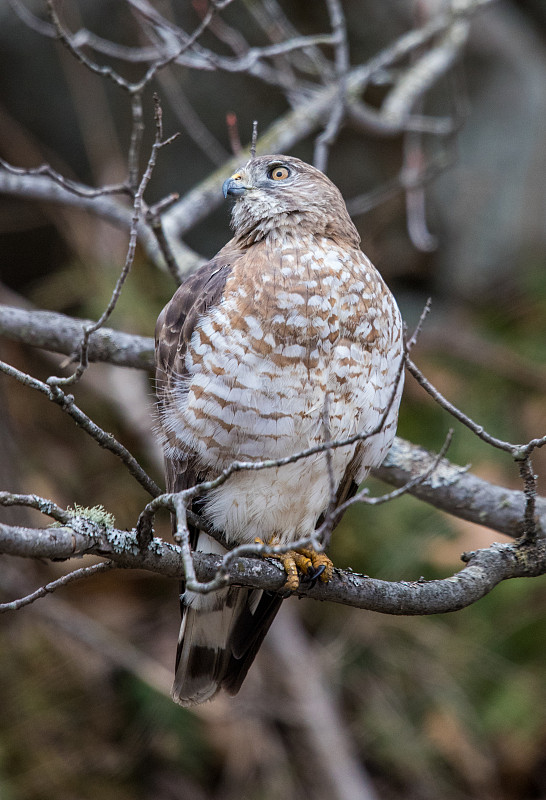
(278, 173)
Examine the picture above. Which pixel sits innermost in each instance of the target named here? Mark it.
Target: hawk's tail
(220, 635)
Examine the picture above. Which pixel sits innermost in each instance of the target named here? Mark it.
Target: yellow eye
(279, 173)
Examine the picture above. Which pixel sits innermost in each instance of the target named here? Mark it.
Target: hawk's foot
(322, 565)
(304, 560)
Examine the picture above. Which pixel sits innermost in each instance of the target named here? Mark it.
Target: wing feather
(218, 641)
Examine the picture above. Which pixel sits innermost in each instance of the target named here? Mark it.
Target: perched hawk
(288, 313)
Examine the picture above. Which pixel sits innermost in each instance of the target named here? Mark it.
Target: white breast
(259, 374)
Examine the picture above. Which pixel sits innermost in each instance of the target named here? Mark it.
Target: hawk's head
(285, 195)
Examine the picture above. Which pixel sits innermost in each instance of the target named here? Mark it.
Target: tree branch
(314, 107)
(483, 571)
(310, 114)
(62, 334)
(454, 490)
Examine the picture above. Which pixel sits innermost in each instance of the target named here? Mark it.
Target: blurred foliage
(450, 707)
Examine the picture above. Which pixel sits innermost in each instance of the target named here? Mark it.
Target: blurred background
(340, 703)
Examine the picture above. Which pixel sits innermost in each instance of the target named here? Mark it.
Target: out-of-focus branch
(316, 108)
(417, 80)
(138, 202)
(406, 179)
(277, 28)
(106, 71)
(311, 113)
(49, 588)
(342, 65)
(312, 702)
(65, 617)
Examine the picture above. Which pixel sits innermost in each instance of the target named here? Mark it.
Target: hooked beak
(234, 186)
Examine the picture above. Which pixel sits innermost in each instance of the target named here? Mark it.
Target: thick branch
(451, 488)
(484, 570)
(62, 334)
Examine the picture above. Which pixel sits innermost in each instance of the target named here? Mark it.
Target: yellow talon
(303, 559)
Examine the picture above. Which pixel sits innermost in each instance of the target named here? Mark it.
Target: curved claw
(312, 575)
(318, 561)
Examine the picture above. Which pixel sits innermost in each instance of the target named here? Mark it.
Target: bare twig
(254, 139)
(518, 451)
(43, 187)
(309, 114)
(104, 439)
(342, 65)
(41, 504)
(363, 203)
(130, 257)
(233, 133)
(137, 132)
(412, 341)
(86, 38)
(135, 88)
(321, 537)
(49, 588)
(223, 32)
(153, 217)
(79, 189)
(363, 496)
(277, 27)
(109, 645)
(250, 60)
(188, 118)
(414, 166)
(301, 122)
(455, 490)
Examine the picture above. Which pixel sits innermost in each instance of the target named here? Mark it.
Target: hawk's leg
(311, 564)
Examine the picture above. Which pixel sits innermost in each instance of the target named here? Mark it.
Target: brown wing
(175, 325)
(255, 609)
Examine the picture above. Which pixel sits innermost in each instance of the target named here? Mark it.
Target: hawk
(288, 316)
